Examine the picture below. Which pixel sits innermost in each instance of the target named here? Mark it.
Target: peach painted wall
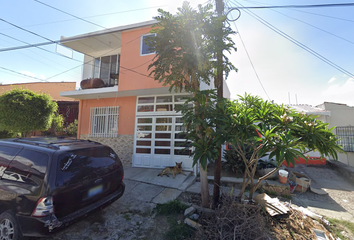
(51, 88)
(126, 113)
(130, 58)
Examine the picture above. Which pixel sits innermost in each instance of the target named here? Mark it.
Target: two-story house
(132, 113)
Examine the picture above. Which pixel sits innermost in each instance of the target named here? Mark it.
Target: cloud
(340, 93)
(332, 80)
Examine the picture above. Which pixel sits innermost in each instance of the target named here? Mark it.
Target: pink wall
(126, 113)
(130, 58)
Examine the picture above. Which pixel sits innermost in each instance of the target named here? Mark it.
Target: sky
(269, 65)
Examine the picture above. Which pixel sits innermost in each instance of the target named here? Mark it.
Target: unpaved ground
(132, 218)
(338, 203)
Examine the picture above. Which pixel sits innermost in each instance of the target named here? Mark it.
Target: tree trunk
(217, 179)
(204, 187)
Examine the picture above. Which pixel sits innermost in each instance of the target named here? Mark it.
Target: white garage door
(159, 139)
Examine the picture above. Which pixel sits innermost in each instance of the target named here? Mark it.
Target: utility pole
(219, 85)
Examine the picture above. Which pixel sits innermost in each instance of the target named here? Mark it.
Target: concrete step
(188, 182)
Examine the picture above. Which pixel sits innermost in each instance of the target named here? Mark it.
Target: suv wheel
(9, 229)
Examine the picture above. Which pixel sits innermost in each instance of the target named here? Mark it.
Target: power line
(28, 76)
(249, 58)
(23, 29)
(302, 6)
(323, 30)
(317, 14)
(92, 16)
(286, 36)
(31, 45)
(69, 14)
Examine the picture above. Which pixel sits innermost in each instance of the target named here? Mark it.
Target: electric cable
(323, 30)
(70, 14)
(302, 6)
(304, 47)
(249, 58)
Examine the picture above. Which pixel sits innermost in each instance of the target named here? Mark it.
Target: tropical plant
(186, 46)
(24, 111)
(275, 129)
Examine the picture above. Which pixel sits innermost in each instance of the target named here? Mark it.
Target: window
(6, 155)
(346, 137)
(104, 121)
(107, 68)
(144, 48)
(158, 104)
(77, 165)
(27, 167)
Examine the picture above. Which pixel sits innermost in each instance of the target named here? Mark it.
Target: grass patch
(337, 226)
(171, 207)
(174, 210)
(178, 230)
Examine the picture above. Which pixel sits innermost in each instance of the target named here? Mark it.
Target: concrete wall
(130, 59)
(51, 88)
(126, 117)
(123, 145)
(341, 116)
(87, 71)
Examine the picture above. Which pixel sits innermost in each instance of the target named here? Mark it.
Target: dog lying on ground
(174, 170)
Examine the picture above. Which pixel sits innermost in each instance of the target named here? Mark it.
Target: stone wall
(123, 145)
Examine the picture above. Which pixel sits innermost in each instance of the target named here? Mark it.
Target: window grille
(346, 137)
(104, 121)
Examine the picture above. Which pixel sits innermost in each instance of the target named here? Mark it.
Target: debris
(318, 191)
(189, 211)
(320, 235)
(191, 223)
(194, 216)
(303, 181)
(272, 205)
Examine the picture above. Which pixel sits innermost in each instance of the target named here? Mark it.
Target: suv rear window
(85, 164)
(6, 155)
(27, 167)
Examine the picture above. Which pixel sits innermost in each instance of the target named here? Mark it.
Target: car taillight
(44, 207)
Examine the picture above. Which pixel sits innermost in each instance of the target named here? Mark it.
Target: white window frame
(155, 104)
(101, 119)
(142, 42)
(109, 68)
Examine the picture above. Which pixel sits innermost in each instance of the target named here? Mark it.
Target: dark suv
(47, 184)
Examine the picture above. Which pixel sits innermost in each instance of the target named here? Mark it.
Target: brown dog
(174, 170)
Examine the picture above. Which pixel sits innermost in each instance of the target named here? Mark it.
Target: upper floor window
(144, 48)
(346, 137)
(107, 68)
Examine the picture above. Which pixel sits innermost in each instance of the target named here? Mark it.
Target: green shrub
(72, 128)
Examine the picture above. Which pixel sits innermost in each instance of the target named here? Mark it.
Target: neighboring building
(132, 113)
(339, 116)
(67, 107)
